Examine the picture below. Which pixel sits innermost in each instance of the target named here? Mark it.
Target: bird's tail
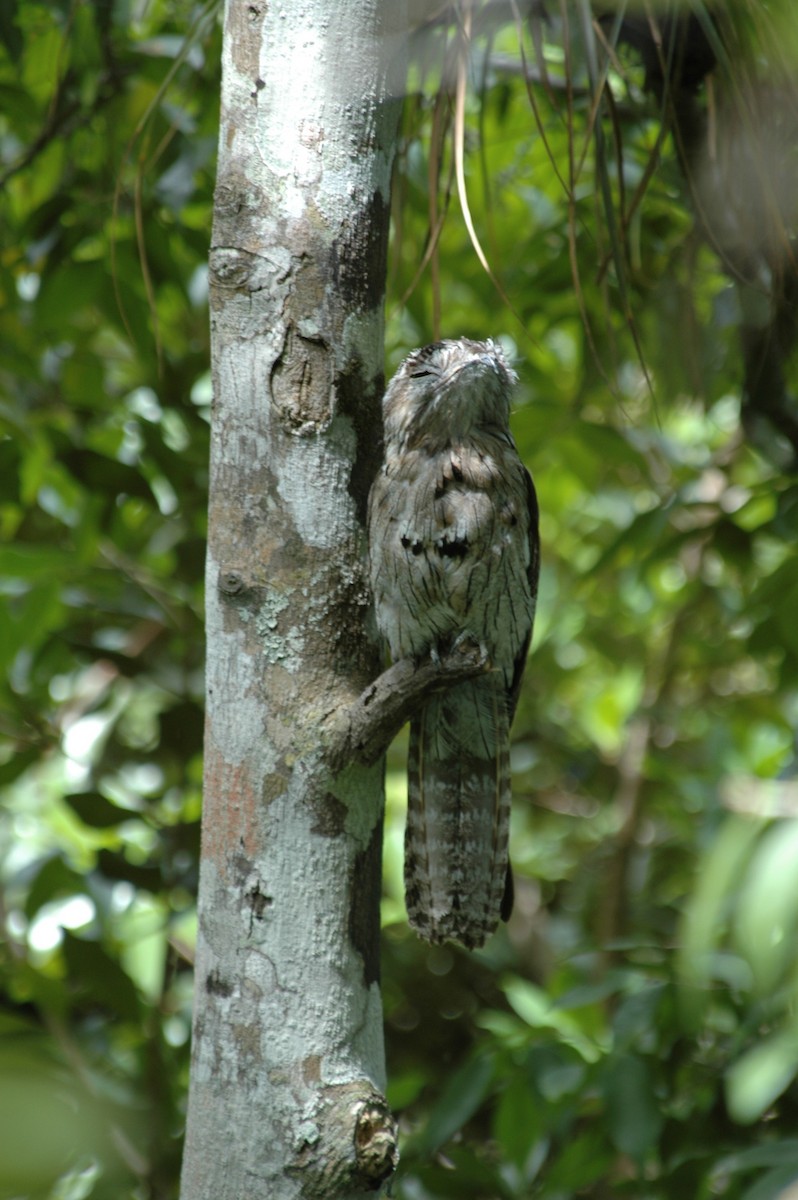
(458, 813)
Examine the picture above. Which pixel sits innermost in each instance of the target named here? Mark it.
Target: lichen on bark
(288, 1065)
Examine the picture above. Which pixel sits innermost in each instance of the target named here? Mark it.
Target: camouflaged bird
(453, 547)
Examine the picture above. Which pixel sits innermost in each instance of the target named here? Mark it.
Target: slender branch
(364, 731)
(611, 912)
(614, 904)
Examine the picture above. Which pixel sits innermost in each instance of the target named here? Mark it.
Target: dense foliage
(107, 140)
(633, 1031)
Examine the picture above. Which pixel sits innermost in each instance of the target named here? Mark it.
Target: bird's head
(446, 391)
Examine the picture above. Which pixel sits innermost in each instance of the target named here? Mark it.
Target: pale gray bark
(288, 1066)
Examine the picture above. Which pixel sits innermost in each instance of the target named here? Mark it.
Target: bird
(453, 558)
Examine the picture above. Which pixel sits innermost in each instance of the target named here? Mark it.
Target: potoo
(453, 545)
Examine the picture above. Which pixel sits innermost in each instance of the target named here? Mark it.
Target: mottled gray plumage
(453, 544)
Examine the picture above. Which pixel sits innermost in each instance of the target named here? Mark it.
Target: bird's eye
(420, 372)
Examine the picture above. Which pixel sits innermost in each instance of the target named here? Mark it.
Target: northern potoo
(453, 545)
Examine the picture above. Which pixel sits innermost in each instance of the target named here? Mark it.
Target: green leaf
(584, 1160)
(16, 766)
(761, 1075)
(94, 809)
(461, 1098)
(705, 916)
(766, 919)
(519, 1120)
(42, 1122)
(34, 562)
(52, 881)
(534, 1006)
(10, 35)
(116, 866)
(775, 1183)
(778, 1153)
(404, 1088)
(634, 1117)
(97, 979)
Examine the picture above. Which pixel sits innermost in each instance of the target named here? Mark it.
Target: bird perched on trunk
(453, 547)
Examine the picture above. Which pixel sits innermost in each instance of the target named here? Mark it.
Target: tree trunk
(288, 1065)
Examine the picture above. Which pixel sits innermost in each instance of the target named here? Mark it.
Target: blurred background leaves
(633, 1031)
